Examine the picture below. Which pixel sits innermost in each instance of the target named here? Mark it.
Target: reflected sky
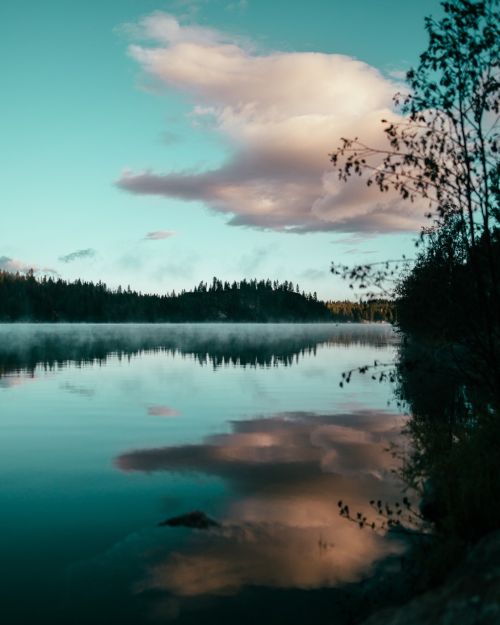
(282, 526)
(106, 430)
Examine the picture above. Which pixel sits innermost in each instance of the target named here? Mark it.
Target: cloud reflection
(162, 411)
(282, 528)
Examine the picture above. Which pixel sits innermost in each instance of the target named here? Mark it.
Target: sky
(160, 143)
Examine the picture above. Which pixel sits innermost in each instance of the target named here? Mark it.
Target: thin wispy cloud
(283, 113)
(14, 266)
(353, 239)
(158, 235)
(177, 267)
(313, 274)
(48, 271)
(78, 255)
(254, 259)
(162, 411)
(355, 250)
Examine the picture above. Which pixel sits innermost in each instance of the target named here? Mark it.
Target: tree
(444, 147)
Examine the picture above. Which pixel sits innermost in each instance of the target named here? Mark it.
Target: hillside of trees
(24, 297)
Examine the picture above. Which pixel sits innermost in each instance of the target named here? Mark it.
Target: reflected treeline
(24, 347)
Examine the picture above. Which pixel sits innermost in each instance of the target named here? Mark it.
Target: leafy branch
(402, 516)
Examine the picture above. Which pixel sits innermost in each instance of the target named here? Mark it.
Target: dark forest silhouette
(24, 297)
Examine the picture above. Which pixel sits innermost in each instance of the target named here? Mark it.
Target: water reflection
(162, 411)
(282, 527)
(95, 458)
(27, 347)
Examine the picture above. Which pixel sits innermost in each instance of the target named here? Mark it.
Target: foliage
(443, 148)
(443, 151)
(398, 516)
(455, 436)
(372, 310)
(24, 297)
(374, 279)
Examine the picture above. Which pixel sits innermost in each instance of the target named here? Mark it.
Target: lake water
(107, 430)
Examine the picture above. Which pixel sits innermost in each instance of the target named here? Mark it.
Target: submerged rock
(196, 519)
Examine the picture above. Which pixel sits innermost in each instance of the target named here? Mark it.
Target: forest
(24, 297)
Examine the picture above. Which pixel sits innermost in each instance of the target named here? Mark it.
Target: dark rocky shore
(470, 595)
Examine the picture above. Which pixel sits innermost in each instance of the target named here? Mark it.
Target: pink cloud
(162, 411)
(282, 113)
(14, 266)
(158, 235)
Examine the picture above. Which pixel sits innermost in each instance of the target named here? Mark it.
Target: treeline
(373, 310)
(28, 298)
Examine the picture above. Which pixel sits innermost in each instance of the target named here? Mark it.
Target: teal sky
(103, 143)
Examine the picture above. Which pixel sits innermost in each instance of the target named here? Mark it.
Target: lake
(108, 430)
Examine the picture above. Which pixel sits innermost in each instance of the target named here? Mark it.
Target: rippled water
(107, 430)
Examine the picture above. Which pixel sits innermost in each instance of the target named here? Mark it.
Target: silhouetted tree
(444, 150)
(444, 147)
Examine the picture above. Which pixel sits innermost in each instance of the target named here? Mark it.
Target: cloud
(162, 411)
(158, 235)
(282, 113)
(14, 266)
(313, 274)
(78, 255)
(353, 239)
(131, 261)
(48, 271)
(250, 262)
(355, 250)
(178, 266)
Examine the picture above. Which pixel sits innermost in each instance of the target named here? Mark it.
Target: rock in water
(196, 519)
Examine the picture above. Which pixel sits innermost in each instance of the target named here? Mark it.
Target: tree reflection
(28, 347)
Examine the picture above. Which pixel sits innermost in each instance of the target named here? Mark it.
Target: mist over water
(107, 430)
(27, 346)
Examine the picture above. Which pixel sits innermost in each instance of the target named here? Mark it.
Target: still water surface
(107, 430)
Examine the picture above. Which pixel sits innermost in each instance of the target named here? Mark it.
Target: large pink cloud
(282, 113)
